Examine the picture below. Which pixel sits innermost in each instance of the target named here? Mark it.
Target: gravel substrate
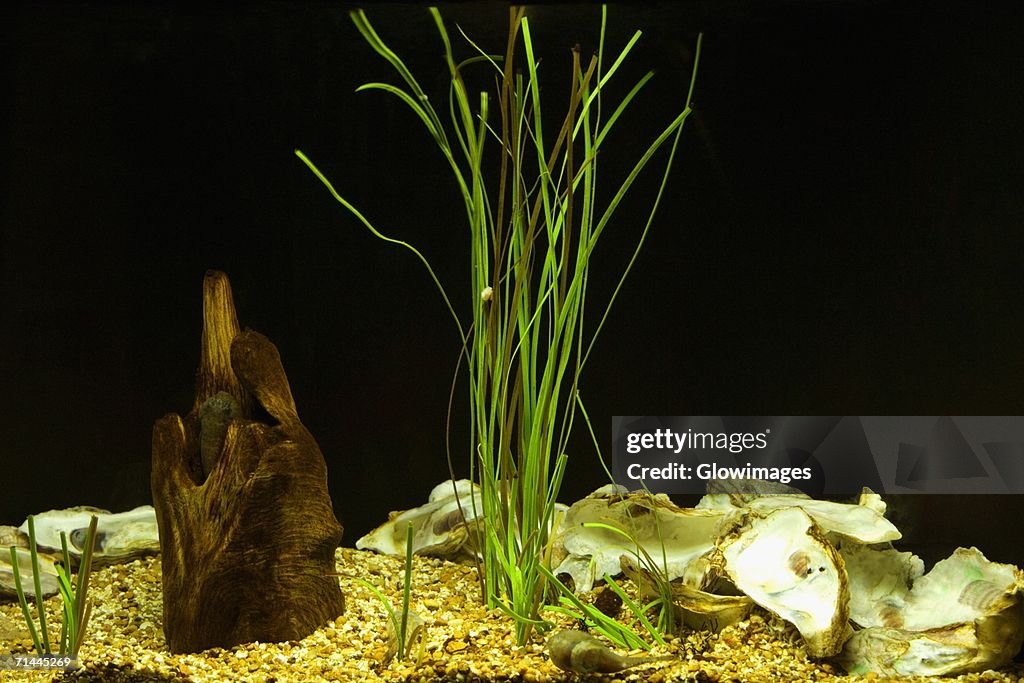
(463, 641)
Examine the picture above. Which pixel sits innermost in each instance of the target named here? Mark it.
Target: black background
(842, 232)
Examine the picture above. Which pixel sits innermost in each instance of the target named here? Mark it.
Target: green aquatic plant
(405, 629)
(658, 574)
(591, 616)
(532, 236)
(74, 595)
(622, 634)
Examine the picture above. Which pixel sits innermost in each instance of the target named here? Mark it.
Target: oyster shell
(785, 564)
(729, 494)
(47, 573)
(853, 521)
(120, 537)
(965, 615)
(445, 527)
(588, 553)
(864, 521)
(12, 535)
(695, 608)
(879, 582)
(439, 528)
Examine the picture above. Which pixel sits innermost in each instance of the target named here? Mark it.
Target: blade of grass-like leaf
(429, 118)
(621, 108)
(443, 32)
(68, 632)
(23, 601)
(462, 97)
(677, 125)
(491, 59)
(600, 63)
(614, 67)
(392, 617)
(369, 226)
(636, 609)
(68, 596)
(405, 594)
(82, 607)
(593, 437)
(609, 211)
(455, 105)
(625, 636)
(86, 615)
(366, 29)
(417, 108)
(543, 168)
(36, 579)
(610, 527)
(614, 631)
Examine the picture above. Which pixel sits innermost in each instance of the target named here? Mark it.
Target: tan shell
(696, 609)
(47, 573)
(13, 537)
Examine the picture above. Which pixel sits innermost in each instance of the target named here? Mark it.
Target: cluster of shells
(828, 568)
(120, 537)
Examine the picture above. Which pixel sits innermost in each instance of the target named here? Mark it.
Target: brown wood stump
(247, 529)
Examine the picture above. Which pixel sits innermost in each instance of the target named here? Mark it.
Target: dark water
(841, 233)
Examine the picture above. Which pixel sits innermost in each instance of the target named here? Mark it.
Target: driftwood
(247, 529)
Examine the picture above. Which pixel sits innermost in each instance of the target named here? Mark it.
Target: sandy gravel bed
(463, 641)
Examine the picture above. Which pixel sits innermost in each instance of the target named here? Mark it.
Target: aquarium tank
(487, 341)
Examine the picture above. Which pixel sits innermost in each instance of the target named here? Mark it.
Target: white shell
(864, 522)
(854, 521)
(879, 582)
(785, 564)
(587, 553)
(965, 615)
(119, 537)
(445, 527)
(439, 527)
